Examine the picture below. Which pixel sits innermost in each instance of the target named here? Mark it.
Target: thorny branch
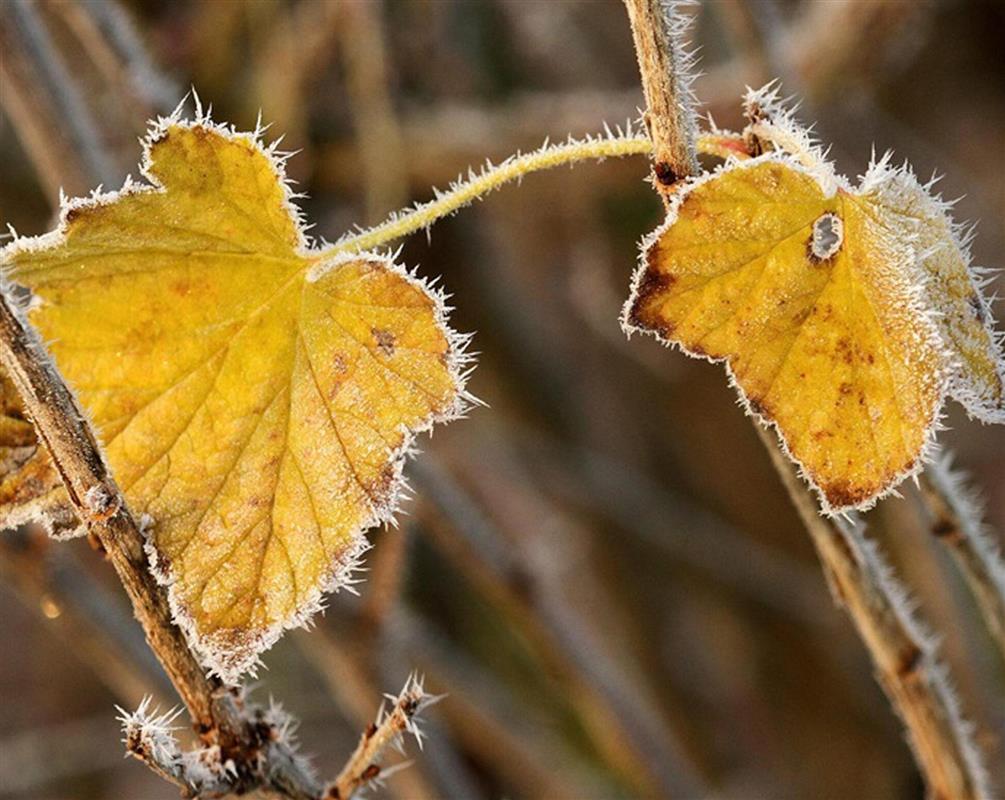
(364, 765)
(903, 653)
(664, 67)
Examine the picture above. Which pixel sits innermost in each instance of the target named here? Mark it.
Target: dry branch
(663, 64)
(902, 652)
(364, 766)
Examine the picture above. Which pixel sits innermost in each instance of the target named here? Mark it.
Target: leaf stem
(478, 185)
(514, 168)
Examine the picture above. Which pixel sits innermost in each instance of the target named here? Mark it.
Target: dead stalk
(364, 765)
(663, 65)
(902, 652)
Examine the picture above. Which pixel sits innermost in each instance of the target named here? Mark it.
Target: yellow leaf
(952, 288)
(255, 400)
(812, 295)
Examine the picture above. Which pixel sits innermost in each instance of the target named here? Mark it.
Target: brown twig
(217, 713)
(341, 665)
(364, 765)
(903, 654)
(664, 67)
(955, 514)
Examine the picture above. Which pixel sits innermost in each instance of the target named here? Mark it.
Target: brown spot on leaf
(843, 493)
(379, 490)
(802, 316)
(846, 351)
(653, 282)
(385, 340)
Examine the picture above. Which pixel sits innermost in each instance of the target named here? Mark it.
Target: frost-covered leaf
(30, 489)
(255, 400)
(952, 288)
(844, 314)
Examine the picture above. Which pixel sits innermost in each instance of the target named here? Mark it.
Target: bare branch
(657, 27)
(902, 652)
(364, 765)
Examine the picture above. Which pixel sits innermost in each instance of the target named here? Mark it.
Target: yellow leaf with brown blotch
(255, 400)
(844, 314)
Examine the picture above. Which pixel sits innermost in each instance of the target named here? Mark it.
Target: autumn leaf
(255, 397)
(844, 314)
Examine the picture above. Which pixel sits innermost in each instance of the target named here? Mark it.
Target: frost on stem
(149, 736)
(364, 767)
(270, 748)
(666, 66)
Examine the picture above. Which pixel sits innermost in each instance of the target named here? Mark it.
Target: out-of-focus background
(601, 568)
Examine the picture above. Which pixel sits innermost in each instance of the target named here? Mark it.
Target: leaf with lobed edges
(255, 399)
(842, 313)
